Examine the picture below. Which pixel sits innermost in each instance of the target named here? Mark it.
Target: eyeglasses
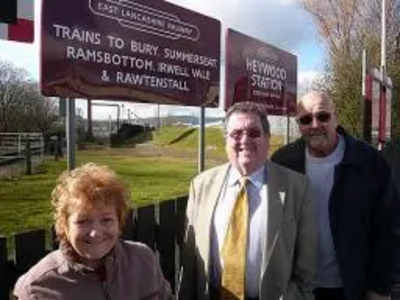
(321, 116)
(252, 133)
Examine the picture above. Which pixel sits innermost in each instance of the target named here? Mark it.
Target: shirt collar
(256, 178)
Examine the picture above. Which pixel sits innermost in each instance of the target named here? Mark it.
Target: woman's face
(93, 233)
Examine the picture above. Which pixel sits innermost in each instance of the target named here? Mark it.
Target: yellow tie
(234, 249)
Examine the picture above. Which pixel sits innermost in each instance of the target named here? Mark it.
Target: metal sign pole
(70, 133)
(382, 98)
(201, 139)
(366, 102)
(287, 139)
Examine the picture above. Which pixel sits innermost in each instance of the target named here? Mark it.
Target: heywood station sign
(151, 51)
(259, 72)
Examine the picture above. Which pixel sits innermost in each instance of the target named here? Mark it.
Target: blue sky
(281, 23)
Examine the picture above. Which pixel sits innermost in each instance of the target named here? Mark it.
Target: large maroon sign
(139, 50)
(259, 72)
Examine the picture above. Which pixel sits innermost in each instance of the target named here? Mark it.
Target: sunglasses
(252, 133)
(321, 117)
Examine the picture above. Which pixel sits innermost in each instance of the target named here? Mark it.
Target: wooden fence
(159, 226)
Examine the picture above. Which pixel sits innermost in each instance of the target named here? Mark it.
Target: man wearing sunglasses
(356, 203)
(250, 222)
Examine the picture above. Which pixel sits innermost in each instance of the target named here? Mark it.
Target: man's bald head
(314, 99)
(317, 122)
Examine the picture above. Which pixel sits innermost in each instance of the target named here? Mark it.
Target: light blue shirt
(257, 236)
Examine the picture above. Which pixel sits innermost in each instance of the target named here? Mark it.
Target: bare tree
(22, 107)
(40, 111)
(11, 89)
(347, 27)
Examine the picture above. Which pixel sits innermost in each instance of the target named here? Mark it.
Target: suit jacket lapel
(214, 188)
(276, 198)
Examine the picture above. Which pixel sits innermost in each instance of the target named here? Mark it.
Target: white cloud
(306, 80)
(307, 77)
(279, 22)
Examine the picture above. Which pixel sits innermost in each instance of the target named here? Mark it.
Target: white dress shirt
(257, 236)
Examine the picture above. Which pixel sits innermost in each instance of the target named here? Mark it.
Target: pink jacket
(132, 273)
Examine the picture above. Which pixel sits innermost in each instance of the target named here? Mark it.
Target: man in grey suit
(280, 238)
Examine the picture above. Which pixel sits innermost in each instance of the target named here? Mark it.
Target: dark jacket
(364, 210)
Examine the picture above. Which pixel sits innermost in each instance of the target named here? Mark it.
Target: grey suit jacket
(290, 253)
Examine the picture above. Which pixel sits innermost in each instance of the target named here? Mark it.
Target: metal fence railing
(17, 148)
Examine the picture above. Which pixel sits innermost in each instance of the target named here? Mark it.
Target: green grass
(214, 139)
(25, 201)
(167, 134)
(150, 179)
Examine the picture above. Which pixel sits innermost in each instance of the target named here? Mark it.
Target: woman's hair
(86, 187)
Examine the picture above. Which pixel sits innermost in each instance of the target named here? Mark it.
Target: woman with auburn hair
(90, 205)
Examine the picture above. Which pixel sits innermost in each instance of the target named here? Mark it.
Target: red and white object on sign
(23, 29)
